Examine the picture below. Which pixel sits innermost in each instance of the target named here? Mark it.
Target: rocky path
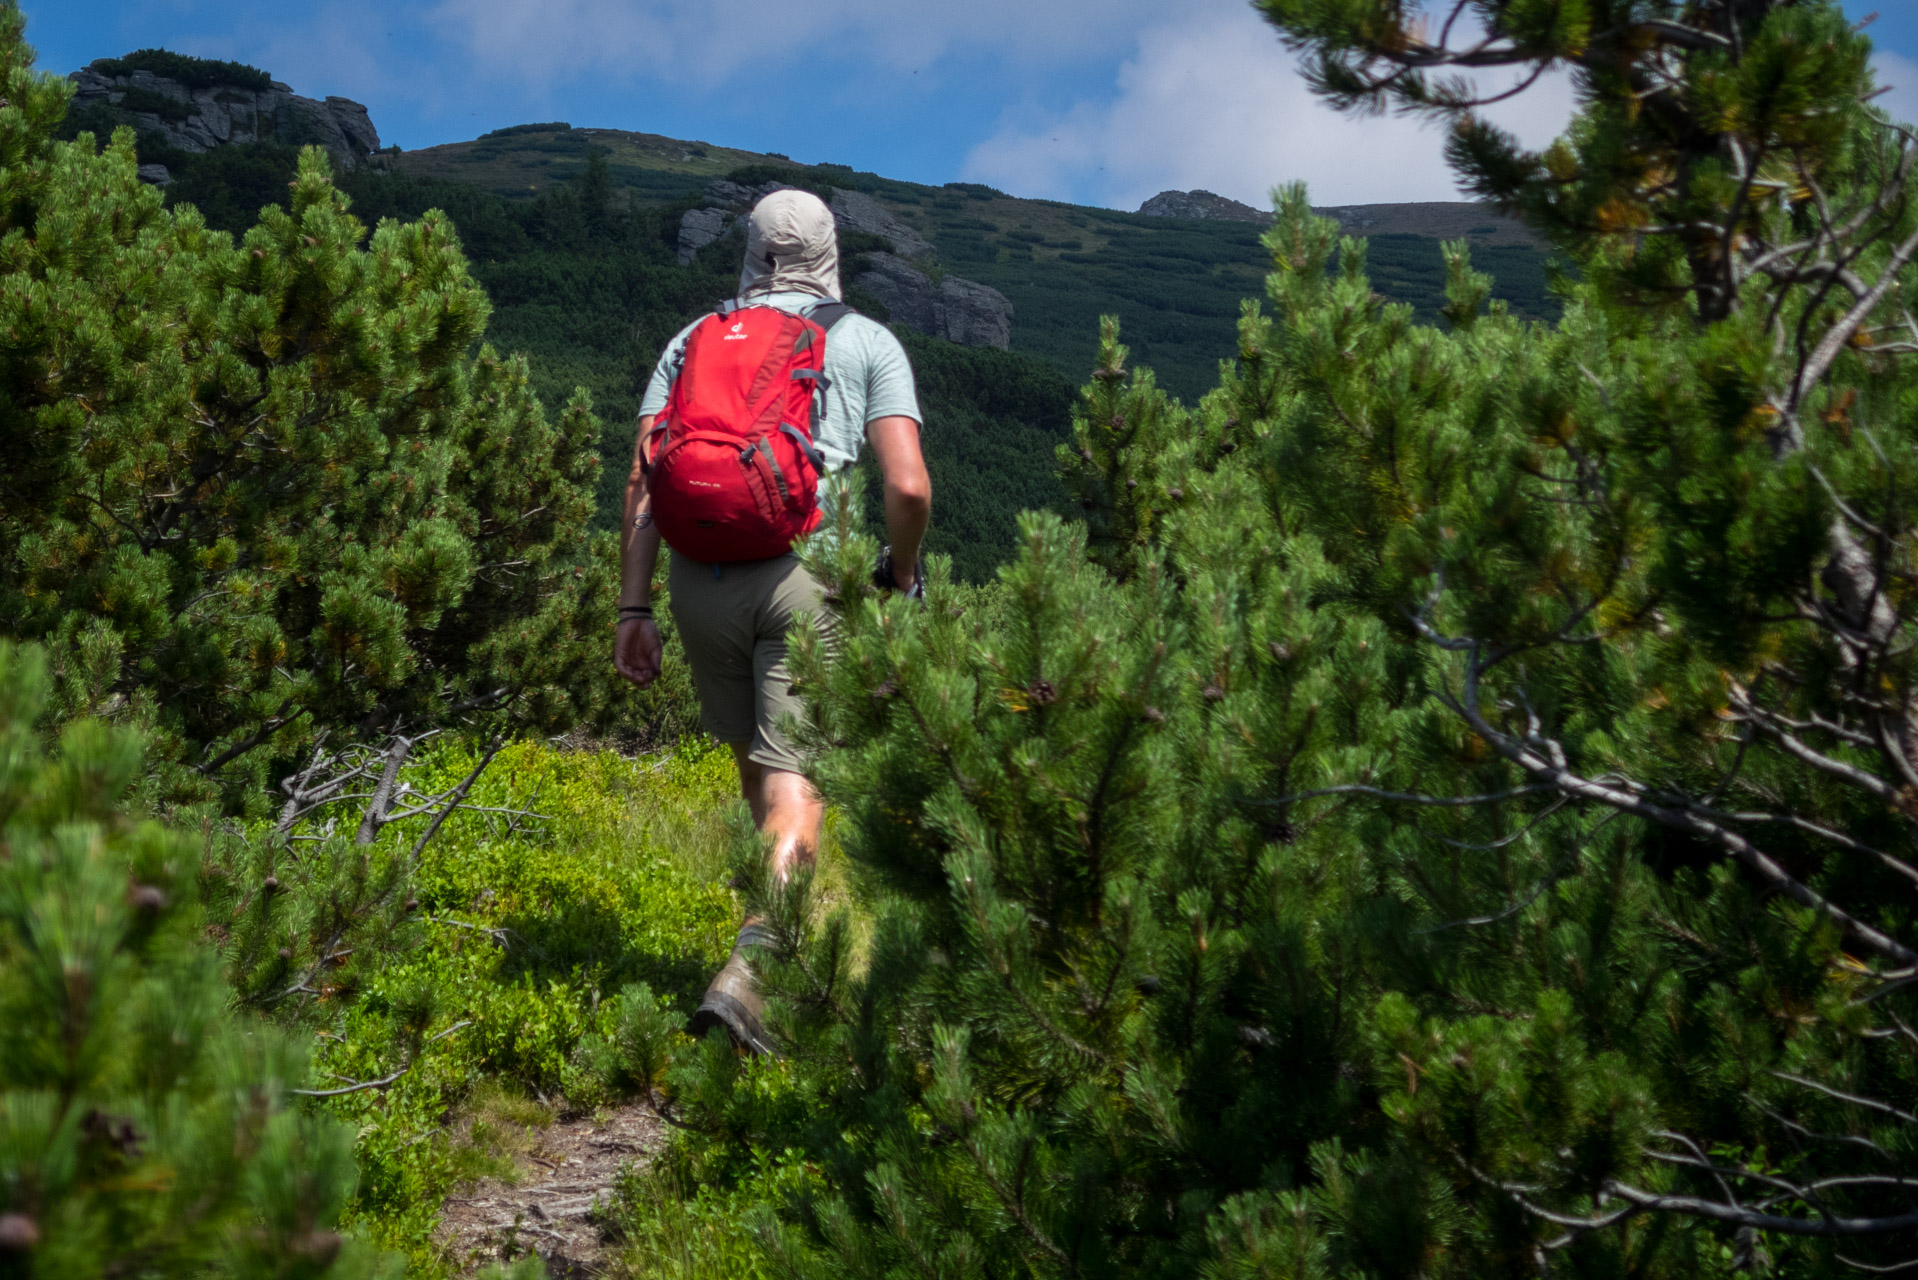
(554, 1206)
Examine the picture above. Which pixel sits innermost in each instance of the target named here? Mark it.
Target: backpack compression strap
(828, 313)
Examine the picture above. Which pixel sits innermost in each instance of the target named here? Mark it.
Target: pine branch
(362, 1086)
(1545, 760)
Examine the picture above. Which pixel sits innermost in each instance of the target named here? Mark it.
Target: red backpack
(730, 460)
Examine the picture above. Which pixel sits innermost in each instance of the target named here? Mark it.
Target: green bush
(144, 1129)
(557, 126)
(159, 104)
(1444, 811)
(194, 73)
(253, 490)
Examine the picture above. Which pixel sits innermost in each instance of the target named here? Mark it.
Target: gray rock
(699, 228)
(214, 115)
(90, 87)
(223, 115)
(961, 311)
(974, 315)
(1350, 218)
(156, 174)
(355, 123)
(728, 194)
(857, 211)
(1200, 204)
(158, 84)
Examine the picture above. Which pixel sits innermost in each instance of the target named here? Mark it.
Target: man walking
(722, 470)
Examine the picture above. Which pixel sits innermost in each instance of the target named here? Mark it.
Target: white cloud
(1216, 102)
(339, 50)
(1900, 75)
(698, 41)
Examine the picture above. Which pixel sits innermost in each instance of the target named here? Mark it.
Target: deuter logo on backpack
(730, 461)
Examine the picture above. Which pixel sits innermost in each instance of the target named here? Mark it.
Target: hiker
(742, 422)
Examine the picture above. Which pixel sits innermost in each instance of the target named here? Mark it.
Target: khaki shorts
(733, 619)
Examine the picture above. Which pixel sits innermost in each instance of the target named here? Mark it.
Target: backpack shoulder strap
(828, 313)
(678, 363)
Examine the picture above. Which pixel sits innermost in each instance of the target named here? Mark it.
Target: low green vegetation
(145, 1128)
(194, 73)
(250, 489)
(531, 965)
(535, 938)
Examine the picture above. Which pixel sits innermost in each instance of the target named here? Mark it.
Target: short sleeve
(890, 391)
(661, 384)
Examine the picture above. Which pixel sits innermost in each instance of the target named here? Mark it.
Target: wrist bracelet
(635, 611)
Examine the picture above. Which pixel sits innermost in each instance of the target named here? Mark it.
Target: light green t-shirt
(866, 370)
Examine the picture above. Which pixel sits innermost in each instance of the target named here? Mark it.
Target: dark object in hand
(882, 576)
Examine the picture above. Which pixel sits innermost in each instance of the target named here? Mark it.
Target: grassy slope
(529, 161)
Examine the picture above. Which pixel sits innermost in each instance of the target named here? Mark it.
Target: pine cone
(117, 1132)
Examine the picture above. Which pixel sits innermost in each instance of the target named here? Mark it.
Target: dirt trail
(552, 1208)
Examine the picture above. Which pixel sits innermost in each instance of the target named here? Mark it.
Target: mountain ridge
(1442, 219)
(960, 260)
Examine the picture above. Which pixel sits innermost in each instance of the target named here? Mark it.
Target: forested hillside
(1177, 283)
(572, 233)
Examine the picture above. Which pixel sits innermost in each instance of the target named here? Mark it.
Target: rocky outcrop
(1200, 204)
(962, 311)
(699, 228)
(200, 118)
(732, 195)
(725, 202)
(857, 211)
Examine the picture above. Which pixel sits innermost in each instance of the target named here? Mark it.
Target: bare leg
(785, 807)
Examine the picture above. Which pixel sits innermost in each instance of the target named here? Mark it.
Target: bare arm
(636, 650)
(908, 491)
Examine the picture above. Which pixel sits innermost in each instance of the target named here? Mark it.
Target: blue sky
(1099, 101)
